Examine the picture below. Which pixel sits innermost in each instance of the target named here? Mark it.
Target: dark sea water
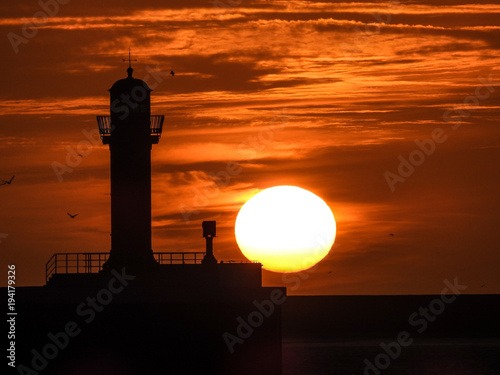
(422, 357)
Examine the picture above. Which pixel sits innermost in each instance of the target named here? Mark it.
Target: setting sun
(286, 228)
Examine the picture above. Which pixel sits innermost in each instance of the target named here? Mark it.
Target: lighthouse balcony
(106, 128)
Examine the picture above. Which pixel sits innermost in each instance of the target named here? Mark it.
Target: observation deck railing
(106, 127)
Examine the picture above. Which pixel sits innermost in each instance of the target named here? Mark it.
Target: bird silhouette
(8, 182)
(391, 234)
(72, 216)
(172, 72)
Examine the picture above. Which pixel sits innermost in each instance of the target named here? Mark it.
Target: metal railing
(75, 263)
(106, 127)
(179, 257)
(156, 124)
(93, 262)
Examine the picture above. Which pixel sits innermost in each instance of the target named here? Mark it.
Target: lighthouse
(130, 131)
(177, 312)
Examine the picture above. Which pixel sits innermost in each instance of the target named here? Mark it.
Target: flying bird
(172, 72)
(391, 234)
(72, 216)
(8, 182)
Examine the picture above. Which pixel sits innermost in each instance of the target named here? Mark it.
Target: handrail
(93, 262)
(156, 125)
(106, 126)
(74, 263)
(179, 257)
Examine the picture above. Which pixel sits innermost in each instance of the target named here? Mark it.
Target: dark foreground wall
(337, 317)
(130, 327)
(143, 327)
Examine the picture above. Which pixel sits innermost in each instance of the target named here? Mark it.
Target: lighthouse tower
(130, 131)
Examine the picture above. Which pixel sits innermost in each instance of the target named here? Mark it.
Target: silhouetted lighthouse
(202, 316)
(130, 131)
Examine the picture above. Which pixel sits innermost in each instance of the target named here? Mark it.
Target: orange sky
(328, 96)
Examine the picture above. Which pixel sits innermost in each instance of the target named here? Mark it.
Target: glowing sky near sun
(322, 95)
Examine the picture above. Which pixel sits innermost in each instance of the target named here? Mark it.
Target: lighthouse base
(121, 323)
(134, 262)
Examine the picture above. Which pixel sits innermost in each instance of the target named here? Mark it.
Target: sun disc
(286, 228)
